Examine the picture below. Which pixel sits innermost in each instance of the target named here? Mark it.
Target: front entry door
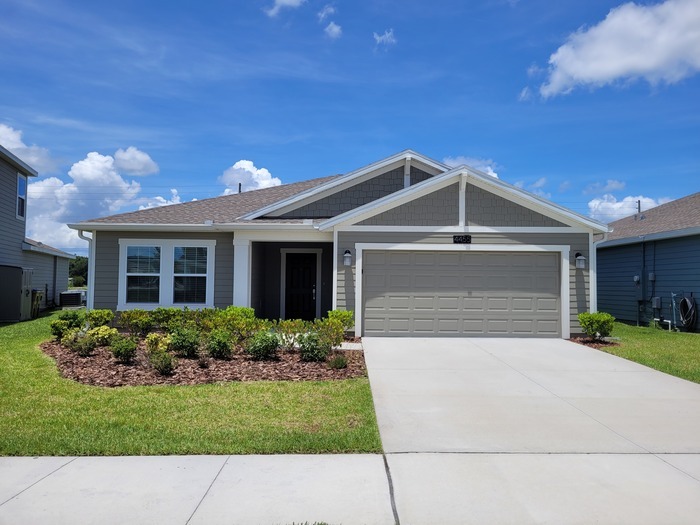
(300, 286)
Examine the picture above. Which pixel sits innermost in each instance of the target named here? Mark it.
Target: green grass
(675, 353)
(44, 414)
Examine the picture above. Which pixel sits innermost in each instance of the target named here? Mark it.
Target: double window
(165, 273)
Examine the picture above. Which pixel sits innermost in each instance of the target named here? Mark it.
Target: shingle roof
(675, 215)
(47, 249)
(223, 210)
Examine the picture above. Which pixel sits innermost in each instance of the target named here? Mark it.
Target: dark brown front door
(300, 286)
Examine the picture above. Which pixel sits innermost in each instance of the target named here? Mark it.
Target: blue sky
(123, 104)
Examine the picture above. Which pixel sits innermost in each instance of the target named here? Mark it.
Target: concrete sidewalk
(347, 489)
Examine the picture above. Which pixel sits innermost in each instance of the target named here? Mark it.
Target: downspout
(91, 268)
(593, 271)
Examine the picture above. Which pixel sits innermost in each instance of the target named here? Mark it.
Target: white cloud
(324, 13)
(525, 94)
(333, 30)
(564, 186)
(658, 43)
(386, 39)
(488, 166)
(607, 208)
(250, 177)
(38, 158)
(154, 202)
(609, 186)
(539, 183)
(135, 162)
(280, 4)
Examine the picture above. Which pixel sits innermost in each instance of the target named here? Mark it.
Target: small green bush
(312, 347)
(184, 341)
(123, 349)
(78, 281)
(156, 341)
(263, 345)
(58, 328)
(97, 318)
(163, 362)
(345, 317)
(337, 361)
(102, 335)
(218, 344)
(330, 331)
(79, 342)
(167, 318)
(596, 325)
(289, 330)
(136, 321)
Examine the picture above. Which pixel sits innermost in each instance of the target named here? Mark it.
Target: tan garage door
(423, 293)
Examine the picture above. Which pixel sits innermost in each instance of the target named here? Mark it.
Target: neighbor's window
(21, 196)
(190, 275)
(143, 274)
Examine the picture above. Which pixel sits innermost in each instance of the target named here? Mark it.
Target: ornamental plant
(596, 325)
(100, 317)
(263, 345)
(123, 349)
(102, 335)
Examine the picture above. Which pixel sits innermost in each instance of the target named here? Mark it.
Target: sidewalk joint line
(207, 491)
(37, 481)
(391, 490)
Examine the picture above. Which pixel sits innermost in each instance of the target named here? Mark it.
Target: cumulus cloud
(250, 177)
(333, 30)
(154, 202)
(607, 208)
(609, 186)
(324, 13)
(38, 158)
(658, 43)
(135, 162)
(488, 166)
(283, 4)
(386, 39)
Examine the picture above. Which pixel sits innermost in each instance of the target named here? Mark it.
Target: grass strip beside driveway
(44, 414)
(676, 353)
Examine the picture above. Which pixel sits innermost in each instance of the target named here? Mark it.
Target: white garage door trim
(561, 249)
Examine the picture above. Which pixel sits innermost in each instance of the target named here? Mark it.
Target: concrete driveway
(533, 431)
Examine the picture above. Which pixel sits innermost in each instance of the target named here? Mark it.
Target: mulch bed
(102, 369)
(593, 343)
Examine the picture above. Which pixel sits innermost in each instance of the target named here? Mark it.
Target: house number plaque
(461, 239)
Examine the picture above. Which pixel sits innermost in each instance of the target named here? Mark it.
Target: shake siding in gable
(12, 232)
(440, 208)
(486, 209)
(107, 264)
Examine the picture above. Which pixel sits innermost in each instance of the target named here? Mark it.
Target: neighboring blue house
(648, 258)
(26, 266)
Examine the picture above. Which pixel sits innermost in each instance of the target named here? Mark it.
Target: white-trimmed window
(21, 196)
(165, 272)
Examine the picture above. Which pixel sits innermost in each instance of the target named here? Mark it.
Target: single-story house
(27, 267)
(411, 245)
(649, 258)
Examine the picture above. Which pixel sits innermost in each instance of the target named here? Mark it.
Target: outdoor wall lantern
(347, 258)
(580, 261)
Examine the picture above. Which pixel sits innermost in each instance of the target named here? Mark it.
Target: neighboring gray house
(650, 255)
(49, 266)
(412, 246)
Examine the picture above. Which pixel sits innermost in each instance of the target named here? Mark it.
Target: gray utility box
(15, 293)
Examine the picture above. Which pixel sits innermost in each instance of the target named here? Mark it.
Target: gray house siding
(486, 209)
(579, 280)
(440, 208)
(50, 275)
(106, 280)
(675, 264)
(12, 231)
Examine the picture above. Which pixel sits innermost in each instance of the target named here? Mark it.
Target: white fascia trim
(564, 269)
(166, 274)
(686, 232)
(18, 163)
(348, 179)
(38, 249)
(312, 235)
(463, 229)
(393, 200)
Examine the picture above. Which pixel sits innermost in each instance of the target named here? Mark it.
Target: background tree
(78, 270)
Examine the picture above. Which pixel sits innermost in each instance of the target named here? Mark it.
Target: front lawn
(44, 414)
(675, 353)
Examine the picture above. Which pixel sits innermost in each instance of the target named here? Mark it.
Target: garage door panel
(497, 294)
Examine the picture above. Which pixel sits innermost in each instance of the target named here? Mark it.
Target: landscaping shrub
(330, 331)
(218, 344)
(79, 342)
(345, 317)
(58, 328)
(337, 361)
(123, 349)
(165, 318)
(263, 345)
(184, 341)
(74, 318)
(156, 341)
(102, 335)
(312, 347)
(240, 322)
(162, 361)
(289, 330)
(596, 325)
(97, 318)
(136, 321)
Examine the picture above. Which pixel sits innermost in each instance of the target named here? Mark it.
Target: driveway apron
(490, 430)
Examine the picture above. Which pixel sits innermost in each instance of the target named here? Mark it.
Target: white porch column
(241, 272)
